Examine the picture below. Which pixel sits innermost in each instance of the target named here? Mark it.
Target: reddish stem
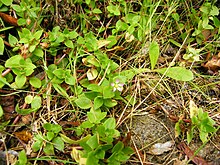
(6, 72)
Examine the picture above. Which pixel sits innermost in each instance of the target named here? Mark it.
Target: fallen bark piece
(190, 154)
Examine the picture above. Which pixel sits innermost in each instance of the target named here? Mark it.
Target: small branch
(7, 44)
(61, 58)
(82, 77)
(6, 72)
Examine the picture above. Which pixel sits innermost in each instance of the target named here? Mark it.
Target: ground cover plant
(77, 74)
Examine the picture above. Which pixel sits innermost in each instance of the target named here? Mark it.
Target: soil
(150, 129)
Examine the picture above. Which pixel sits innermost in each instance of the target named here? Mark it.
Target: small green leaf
(28, 99)
(101, 130)
(1, 111)
(96, 11)
(203, 136)
(177, 73)
(32, 48)
(98, 102)
(13, 61)
(60, 90)
(38, 34)
(60, 73)
(69, 79)
(2, 46)
(108, 93)
(3, 81)
(110, 123)
(20, 80)
(190, 135)
(50, 136)
(91, 60)
(91, 42)
(96, 116)
(93, 141)
(22, 158)
(56, 128)
(87, 124)
(7, 2)
(38, 52)
(176, 16)
(70, 141)
(69, 44)
(113, 9)
(113, 40)
(24, 111)
(21, 21)
(73, 35)
(37, 145)
(216, 22)
(12, 40)
(121, 26)
(110, 103)
(91, 159)
(83, 102)
(58, 143)
(94, 88)
(175, 42)
(178, 128)
(131, 100)
(154, 52)
(118, 147)
(17, 8)
(36, 102)
(214, 11)
(35, 82)
(49, 149)
(26, 33)
(88, 2)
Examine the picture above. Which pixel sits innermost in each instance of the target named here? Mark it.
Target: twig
(6, 72)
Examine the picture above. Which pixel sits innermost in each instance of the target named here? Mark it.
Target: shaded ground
(151, 122)
(151, 129)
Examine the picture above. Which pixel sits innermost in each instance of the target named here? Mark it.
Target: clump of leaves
(99, 147)
(50, 141)
(200, 121)
(22, 159)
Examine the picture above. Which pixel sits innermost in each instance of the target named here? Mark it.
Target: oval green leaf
(36, 102)
(98, 102)
(154, 52)
(1, 111)
(83, 103)
(35, 82)
(20, 80)
(177, 73)
(2, 46)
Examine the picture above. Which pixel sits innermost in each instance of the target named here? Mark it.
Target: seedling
(50, 141)
(200, 121)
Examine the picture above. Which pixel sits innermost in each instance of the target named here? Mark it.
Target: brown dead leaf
(24, 136)
(190, 154)
(213, 64)
(26, 119)
(118, 48)
(206, 34)
(7, 103)
(127, 139)
(180, 162)
(9, 19)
